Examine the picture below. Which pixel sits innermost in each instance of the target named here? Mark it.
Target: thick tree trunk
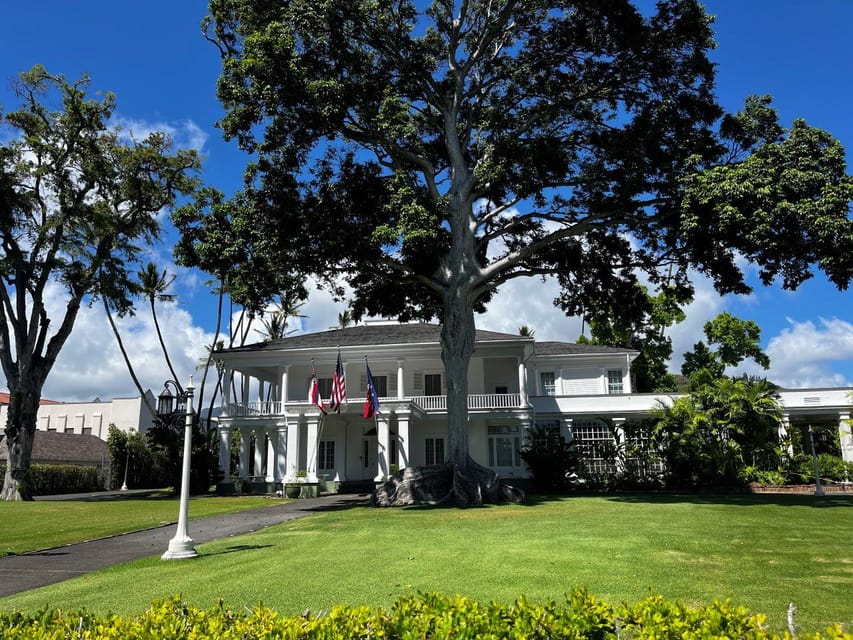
(20, 429)
(461, 480)
(457, 345)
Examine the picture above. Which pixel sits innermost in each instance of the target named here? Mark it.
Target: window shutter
(392, 384)
(363, 383)
(418, 382)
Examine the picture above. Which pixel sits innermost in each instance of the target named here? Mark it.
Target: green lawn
(26, 526)
(761, 551)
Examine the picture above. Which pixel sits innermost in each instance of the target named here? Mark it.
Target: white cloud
(185, 135)
(90, 365)
(805, 353)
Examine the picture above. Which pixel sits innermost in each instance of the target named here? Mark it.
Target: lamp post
(126, 465)
(181, 546)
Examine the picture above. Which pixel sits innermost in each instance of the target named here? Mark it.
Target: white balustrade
(479, 401)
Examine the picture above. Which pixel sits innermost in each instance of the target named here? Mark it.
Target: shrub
(50, 479)
(550, 459)
(423, 616)
(831, 468)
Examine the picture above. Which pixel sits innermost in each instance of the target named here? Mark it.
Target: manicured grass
(26, 526)
(760, 551)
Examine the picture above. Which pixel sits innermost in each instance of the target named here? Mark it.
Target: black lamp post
(181, 546)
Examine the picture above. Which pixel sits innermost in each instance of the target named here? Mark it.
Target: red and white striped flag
(339, 387)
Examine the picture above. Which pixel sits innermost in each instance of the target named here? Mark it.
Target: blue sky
(152, 56)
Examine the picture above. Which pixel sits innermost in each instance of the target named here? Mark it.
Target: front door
(367, 458)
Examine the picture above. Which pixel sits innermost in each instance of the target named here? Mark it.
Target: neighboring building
(92, 418)
(50, 447)
(513, 383)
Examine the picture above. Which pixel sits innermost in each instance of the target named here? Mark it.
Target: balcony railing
(476, 402)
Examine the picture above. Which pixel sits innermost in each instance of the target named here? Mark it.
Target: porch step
(357, 486)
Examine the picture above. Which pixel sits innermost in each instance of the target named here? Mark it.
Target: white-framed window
(432, 384)
(504, 446)
(434, 451)
(326, 455)
(595, 444)
(548, 383)
(614, 382)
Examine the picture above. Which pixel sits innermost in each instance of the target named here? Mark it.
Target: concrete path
(40, 568)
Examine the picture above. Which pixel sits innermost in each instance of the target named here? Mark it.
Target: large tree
(428, 152)
(78, 201)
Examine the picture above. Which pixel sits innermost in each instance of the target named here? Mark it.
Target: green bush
(51, 479)
(422, 616)
(750, 474)
(831, 468)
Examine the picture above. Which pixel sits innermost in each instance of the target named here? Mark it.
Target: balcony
(427, 404)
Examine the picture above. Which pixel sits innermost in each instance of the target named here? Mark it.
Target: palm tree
(275, 327)
(126, 357)
(344, 319)
(526, 331)
(154, 285)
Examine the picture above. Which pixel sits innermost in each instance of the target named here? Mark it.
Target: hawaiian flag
(371, 404)
(339, 387)
(314, 392)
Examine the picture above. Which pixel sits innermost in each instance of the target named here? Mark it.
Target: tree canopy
(78, 201)
(427, 153)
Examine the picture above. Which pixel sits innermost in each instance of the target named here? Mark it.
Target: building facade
(92, 418)
(514, 383)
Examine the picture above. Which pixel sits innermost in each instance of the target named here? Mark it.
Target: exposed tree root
(445, 484)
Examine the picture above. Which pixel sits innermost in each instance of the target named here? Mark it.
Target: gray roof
(412, 333)
(570, 348)
(71, 448)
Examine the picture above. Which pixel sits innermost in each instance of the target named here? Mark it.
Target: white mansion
(514, 382)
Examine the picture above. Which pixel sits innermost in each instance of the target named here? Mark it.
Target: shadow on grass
(239, 547)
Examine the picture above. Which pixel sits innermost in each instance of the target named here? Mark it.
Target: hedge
(51, 479)
(422, 616)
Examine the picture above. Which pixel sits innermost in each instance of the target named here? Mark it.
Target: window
(381, 384)
(548, 383)
(614, 381)
(434, 449)
(432, 384)
(501, 388)
(325, 386)
(595, 444)
(504, 445)
(326, 455)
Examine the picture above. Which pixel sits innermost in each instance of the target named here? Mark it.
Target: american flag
(339, 387)
(314, 392)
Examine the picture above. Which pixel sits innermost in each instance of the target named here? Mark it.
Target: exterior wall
(128, 414)
(500, 372)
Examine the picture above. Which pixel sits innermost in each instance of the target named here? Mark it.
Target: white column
(245, 438)
(225, 452)
(260, 442)
(845, 436)
(283, 387)
(619, 428)
(270, 468)
(311, 447)
(783, 431)
(245, 398)
(226, 391)
(522, 382)
(403, 441)
(400, 379)
(383, 437)
(280, 453)
(292, 450)
(626, 378)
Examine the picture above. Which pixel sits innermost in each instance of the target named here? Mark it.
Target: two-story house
(513, 383)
